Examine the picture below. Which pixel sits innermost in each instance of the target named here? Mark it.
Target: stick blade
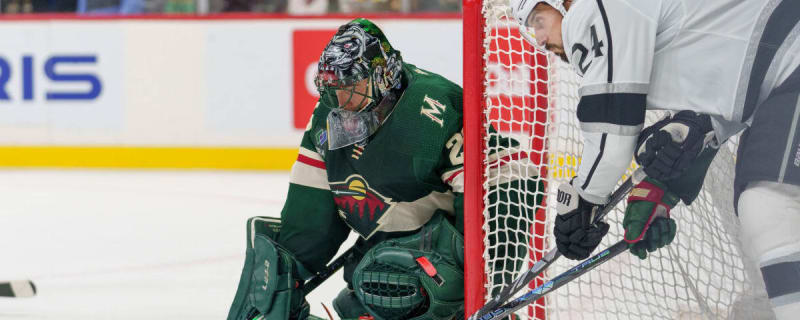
(17, 289)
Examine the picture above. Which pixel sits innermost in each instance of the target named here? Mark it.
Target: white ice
(132, 244)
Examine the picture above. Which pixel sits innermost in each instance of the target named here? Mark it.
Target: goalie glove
(647, 223)
(667, 148)
(576, 236)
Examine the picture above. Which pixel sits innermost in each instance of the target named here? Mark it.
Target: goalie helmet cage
(532, 97)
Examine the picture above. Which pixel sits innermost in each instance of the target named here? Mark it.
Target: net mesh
(701, 275)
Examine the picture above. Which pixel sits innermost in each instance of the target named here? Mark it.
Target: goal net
(531, 97)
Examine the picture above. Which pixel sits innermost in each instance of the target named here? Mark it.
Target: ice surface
(132, 244)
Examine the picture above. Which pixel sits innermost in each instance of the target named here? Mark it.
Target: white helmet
(521, 9)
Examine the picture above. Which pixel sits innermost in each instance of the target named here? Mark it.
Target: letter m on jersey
(433, 109)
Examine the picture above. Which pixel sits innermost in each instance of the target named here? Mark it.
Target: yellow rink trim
(148, 157)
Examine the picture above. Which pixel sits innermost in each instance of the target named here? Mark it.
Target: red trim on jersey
(228, 16)
(311, 162)
(511, 157)
(453, 176)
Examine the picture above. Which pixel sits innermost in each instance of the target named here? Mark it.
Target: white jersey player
(734, 63)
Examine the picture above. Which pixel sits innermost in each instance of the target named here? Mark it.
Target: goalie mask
(522, 11)
(357, 74)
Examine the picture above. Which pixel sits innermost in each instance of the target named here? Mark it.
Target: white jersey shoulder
(670, 55)
(684, 54)
(601, 44)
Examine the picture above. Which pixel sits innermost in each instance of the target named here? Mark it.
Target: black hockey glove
(576, 236)
(667, 148)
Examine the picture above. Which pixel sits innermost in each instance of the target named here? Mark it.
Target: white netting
(701, 275)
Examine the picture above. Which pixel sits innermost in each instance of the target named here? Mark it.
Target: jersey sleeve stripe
(519, 166)
(608, 36)
(309, 176)
(626, 109)
(511, 157)
(453, 175)
(456, 181)
(310, 153)
(509, 168)
(511, 172)
(601, 88)
(311, 162)
(611, 128)
(596, 162)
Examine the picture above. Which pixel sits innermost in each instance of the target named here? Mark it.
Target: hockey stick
(17, 289)
(557, 282)
(539, 267)
(329, 270)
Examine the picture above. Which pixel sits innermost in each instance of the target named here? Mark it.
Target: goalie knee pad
(415, 277)
(770, 216)
(267, 285)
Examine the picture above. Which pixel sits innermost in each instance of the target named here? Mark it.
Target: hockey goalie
(722, 66)
(381, 156)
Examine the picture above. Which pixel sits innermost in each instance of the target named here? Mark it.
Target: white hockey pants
(770, 217)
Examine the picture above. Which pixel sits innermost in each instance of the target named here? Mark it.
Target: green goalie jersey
(385, 187)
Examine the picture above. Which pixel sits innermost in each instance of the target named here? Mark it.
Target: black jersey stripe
(596, 161)
(780, 23)
(607, 97)
(625, 109)
(781, 279)
(610, 54)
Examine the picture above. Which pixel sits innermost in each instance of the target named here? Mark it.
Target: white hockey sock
(770, 217)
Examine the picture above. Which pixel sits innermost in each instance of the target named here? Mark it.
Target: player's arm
(612, 47)
(311, 229)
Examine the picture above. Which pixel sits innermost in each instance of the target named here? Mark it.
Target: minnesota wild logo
(361, 206)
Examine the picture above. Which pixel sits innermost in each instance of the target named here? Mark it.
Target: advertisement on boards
(51, 79)
(182, 83)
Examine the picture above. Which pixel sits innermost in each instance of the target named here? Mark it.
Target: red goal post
(500, 79)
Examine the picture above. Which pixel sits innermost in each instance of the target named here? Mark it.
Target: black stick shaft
(557, 282)
(334, 266)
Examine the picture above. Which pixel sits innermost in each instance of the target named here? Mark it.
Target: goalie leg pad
(770, 216)
(414, 277)
(267, 286)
